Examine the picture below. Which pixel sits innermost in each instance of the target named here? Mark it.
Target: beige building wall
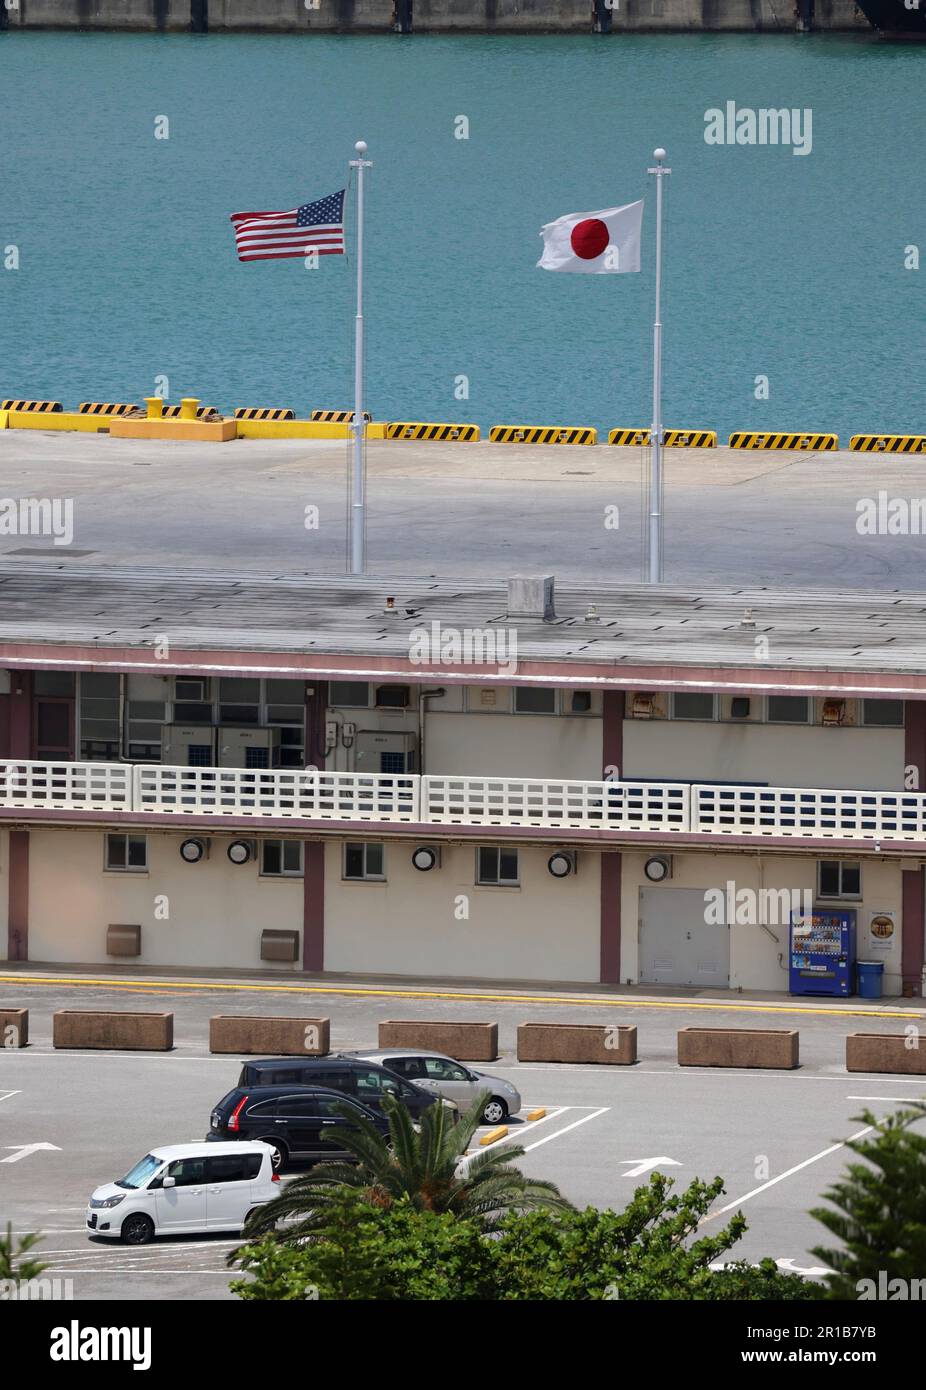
(216, 910)
(413, 924)
(782, 755)
(758, 957)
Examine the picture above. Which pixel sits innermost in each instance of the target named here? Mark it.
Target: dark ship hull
(894, 20)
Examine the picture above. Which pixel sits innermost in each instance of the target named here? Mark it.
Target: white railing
(528, 801)
(66, 786)
(297, 794)
(808, 811)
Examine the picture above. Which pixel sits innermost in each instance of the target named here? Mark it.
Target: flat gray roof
(111, 607)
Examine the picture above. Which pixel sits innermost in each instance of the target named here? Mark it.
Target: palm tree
(424, 1166)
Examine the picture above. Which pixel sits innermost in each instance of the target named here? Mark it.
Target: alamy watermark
(38, 516)
(755, 907)
(745, 125)
(468, 646)
(35, 1290)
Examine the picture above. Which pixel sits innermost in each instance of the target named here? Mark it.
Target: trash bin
(869, 978)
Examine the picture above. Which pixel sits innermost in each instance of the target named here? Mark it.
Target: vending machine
(822, 955)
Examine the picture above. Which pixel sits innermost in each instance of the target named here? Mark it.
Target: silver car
(450, 1079)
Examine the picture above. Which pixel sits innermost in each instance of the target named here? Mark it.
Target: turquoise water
(777, 265)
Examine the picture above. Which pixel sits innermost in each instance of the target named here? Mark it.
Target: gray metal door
(677, 946)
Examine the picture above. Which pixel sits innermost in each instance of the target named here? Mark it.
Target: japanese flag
(594, 243)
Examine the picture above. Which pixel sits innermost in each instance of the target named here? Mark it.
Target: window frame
(498, 881)
(694, 718)
(840, 896)
(790, 723)
(283, 872)
(864, 722)
(366, 876)
(125, 868)
(536, 689)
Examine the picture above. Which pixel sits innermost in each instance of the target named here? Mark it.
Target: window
(328, 1107)
(407, 1066)
(239, 700)
(127, 853)
(297, 1107)
(438, 1069)
(839, 878)
(687, 704)
(232, 1167)
(374, 1084)
(354, 694)
(187, 1172)
(280, 858)
(534, 700)
(364, 862)
(497, 866)
(56, 684)
(788, 709)
(883, 714)
(99, 718)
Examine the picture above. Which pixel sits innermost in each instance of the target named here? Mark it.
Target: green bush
(880, 1209)
(399, 1252)
(396, 1253)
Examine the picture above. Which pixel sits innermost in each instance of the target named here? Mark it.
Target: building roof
(52, 614)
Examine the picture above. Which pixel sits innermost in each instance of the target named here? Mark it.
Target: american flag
(271, 236)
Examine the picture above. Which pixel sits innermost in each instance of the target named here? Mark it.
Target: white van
(184, 1189)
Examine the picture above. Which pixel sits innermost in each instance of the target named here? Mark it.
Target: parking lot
(73, 1120)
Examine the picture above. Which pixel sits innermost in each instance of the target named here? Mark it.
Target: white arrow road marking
(645, 1164)
(791, 1268)
(25, 1150)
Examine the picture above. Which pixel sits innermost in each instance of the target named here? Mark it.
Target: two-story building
(429, 777)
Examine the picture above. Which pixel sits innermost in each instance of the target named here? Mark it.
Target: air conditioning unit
(193, 688)
(248, 747)
(383, 753)
(188, 745)
(392, 697)
(643, 706)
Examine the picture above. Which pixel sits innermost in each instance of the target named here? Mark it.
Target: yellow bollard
(188, 407)
(155, 407)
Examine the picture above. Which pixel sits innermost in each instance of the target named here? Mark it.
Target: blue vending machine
(822, 956)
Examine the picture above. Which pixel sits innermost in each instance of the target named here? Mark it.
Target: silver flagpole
(358, 501)
(656, 488)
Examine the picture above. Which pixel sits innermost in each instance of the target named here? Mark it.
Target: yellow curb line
(142, 986)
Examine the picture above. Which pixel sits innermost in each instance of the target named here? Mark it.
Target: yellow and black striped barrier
(417, 429)
(751, 439)
(31, 405)
(689, 439)
(172, 412)
(106, 408)
(889, 443)
(337, 417)
(640, 438)
(541, 434)
(253, 412)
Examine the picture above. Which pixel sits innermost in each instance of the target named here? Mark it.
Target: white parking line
(5, 1095)
(575, 1124)
(902, 1099)
(833, 1148)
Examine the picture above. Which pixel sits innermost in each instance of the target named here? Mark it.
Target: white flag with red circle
(594, 243)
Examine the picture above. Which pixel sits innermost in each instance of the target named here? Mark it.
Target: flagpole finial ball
(361, 147)
(659, 154)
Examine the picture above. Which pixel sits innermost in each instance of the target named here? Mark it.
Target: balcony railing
(492, 802)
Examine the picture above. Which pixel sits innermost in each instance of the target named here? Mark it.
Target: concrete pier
(436, 16)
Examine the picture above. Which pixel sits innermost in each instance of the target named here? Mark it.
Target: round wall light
(561, 864)
(192, 851)
(425, 858)
(239, 851)
(658, 868)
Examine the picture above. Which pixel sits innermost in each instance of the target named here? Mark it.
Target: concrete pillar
(612, 760)
(313, 912)
(913, 900)
(20, 728)
(18, 920)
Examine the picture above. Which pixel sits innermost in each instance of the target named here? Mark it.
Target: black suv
(366, 1082)
(292, 1120)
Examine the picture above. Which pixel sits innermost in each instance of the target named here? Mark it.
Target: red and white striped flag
(314, 228)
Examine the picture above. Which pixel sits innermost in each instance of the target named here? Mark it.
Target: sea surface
(777, 265)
